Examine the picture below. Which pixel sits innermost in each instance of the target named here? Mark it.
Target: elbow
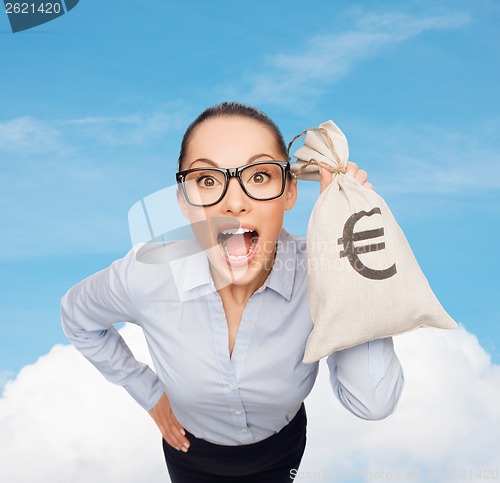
(379, 410)
(384, 405)
(379, 404)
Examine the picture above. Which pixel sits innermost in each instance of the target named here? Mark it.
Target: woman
(226, 317)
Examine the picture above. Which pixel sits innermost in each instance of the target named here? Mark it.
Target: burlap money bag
(364, 281)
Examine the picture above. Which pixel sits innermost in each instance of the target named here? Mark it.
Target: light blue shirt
(167, 289)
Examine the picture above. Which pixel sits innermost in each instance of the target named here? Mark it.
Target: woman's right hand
(172, 431)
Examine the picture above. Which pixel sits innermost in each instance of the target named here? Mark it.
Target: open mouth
(238, 244)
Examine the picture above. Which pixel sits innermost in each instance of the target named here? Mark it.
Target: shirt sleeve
(88, 312)
(367, 379)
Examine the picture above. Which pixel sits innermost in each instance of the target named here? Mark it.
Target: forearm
(367, 379)
(111, 356)
(88, 312)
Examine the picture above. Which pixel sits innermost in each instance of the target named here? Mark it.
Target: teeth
(235, 231)
(232, 257)
(238, 257)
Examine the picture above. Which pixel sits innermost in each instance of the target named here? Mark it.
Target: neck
(236, 293)
(240, 294)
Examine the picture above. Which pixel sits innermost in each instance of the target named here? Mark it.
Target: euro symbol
(352, 252)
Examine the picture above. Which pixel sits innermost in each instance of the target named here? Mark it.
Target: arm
(367, 379)
(88, 312)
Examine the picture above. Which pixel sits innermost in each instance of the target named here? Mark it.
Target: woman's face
(245, 256)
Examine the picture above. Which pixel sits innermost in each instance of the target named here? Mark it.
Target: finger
(325, 178)
(176, 440)
(172, 431)
(175, 444)
(368, 185)
(181, 438)
(177, 427)
(179, 434)
(361, 176)
(171, 442)
(168, 436)
(351, 168)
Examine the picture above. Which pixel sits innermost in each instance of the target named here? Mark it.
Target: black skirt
(268, 461)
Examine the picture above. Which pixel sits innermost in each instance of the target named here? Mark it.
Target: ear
(291, 192)
(183, 205)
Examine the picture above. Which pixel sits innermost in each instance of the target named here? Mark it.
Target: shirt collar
(282, 275)
(191, 271)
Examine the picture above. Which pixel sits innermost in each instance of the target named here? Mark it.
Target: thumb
(325, 178)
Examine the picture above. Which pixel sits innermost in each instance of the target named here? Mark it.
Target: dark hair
(228, 109)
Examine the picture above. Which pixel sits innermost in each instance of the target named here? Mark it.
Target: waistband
(276, 451)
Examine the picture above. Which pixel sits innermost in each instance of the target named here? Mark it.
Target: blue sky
(93, 106)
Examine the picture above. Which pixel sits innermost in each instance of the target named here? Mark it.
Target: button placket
(231, 389)
(245, 332)
(243, 340)
(238, 416)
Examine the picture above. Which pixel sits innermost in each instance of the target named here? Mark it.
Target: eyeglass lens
(262, 181)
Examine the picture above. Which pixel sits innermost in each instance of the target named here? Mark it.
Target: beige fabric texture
(364, 281)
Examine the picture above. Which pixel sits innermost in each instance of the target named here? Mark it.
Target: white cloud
(66, 185)
(446, 421)
(328, 58)
(135, 129)
(28, 135)
(431, 158)
(132, 119)
(5, 376)
(426, 159)
(439, 166)
(61, 421)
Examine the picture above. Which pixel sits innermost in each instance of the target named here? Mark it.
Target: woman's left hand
(352, 168)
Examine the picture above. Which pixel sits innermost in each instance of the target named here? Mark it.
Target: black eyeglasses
(264, 180)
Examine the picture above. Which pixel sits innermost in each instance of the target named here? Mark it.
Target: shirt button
(230, 387)
(244, 430)
(237, 413)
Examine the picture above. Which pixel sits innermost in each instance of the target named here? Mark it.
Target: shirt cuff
(146, 388)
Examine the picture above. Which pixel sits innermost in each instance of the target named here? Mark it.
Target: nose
(235, 200)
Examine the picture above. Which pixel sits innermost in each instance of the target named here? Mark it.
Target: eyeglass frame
(233, 173)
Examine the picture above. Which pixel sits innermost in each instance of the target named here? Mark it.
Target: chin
(237, 274)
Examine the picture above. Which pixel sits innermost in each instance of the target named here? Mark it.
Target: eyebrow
(215, 165)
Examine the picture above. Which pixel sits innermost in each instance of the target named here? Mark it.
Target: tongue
(236, 245)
